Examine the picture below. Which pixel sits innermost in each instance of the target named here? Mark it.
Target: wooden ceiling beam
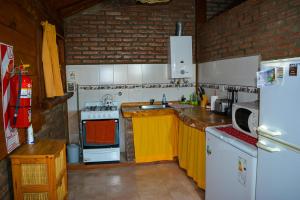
(76, 7)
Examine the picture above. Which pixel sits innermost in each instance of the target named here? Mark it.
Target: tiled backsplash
(127, 83)
(234, 71)
(238, 73)
(119, 74)
(239, 88)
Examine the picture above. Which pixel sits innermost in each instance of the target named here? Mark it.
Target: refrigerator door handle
(267, 148)
(262, 129)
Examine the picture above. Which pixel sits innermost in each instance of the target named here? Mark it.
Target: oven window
(241, 118)
(100, 132)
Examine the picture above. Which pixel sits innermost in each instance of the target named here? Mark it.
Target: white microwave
(245, 117)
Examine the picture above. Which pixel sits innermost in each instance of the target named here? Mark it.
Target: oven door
(102, 133)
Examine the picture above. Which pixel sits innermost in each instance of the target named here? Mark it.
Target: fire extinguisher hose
(18, 99)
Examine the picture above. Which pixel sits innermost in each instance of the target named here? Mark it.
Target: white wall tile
(154, 73)
(135, 95)
(106, 74)
(84, 74)
(122, 97)
(134, 75)
(235, 71)
(120, 74)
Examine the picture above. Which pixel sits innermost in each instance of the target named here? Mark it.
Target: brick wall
(215, 7)
(267, 27)
(124, 32)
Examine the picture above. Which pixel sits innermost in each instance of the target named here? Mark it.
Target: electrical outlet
(72, 76)
(71, 86)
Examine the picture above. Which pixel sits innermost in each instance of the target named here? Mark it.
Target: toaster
(221, 105)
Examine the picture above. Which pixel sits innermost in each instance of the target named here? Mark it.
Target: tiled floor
(164, 181)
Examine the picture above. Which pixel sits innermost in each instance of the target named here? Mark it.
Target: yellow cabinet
(155, 137)
(39, 171)
(191, 152)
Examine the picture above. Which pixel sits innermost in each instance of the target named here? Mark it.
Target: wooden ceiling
(67, 8)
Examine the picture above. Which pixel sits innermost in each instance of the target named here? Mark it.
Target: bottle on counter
(164, 100)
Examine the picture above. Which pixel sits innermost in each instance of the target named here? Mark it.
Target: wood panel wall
(20, 27)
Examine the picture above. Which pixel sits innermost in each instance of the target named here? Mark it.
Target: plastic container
(73, 153)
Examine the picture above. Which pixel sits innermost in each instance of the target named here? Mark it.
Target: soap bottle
(164, 100)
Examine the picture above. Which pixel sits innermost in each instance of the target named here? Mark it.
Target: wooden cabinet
(39, 171)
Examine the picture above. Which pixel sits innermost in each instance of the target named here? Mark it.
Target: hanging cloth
(52, 76)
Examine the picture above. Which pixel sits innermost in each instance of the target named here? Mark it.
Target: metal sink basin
(149, 107)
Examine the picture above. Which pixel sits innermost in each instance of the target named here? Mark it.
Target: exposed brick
(113, 13)
(254, 27)
(90, 52)
(123, 32)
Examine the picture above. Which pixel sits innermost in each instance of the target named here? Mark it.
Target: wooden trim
(76, 7)
(16, 175)
(51, 178)
(52, 102)
(34, 188)
(200, 13)
(60, 36)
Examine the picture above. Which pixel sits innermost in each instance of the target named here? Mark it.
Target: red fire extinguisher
(20, 99)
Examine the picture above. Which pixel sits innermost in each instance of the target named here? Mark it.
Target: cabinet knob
(182, 71)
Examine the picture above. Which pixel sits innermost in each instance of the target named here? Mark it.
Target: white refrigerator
(278, 165)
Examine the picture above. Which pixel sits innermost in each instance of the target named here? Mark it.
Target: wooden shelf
(52, 102)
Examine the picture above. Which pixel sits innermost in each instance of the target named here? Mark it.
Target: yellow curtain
(191, 152)
(155, 138)
(52, 76)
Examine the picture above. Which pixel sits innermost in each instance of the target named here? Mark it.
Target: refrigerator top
(239, 144)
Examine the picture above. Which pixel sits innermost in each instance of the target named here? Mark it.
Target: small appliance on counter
(224, 105)
(245, 117)
(221, 106)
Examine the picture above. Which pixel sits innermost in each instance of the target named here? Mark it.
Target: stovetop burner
(100, 108)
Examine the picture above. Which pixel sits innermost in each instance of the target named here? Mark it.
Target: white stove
(96, 112)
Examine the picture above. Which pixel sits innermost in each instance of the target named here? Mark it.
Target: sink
(149, 107)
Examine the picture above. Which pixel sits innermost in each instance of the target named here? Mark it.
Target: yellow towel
(52, 76)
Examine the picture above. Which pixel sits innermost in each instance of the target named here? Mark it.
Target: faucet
(151, 101)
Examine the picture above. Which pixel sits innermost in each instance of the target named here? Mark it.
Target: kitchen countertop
(193, 116)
